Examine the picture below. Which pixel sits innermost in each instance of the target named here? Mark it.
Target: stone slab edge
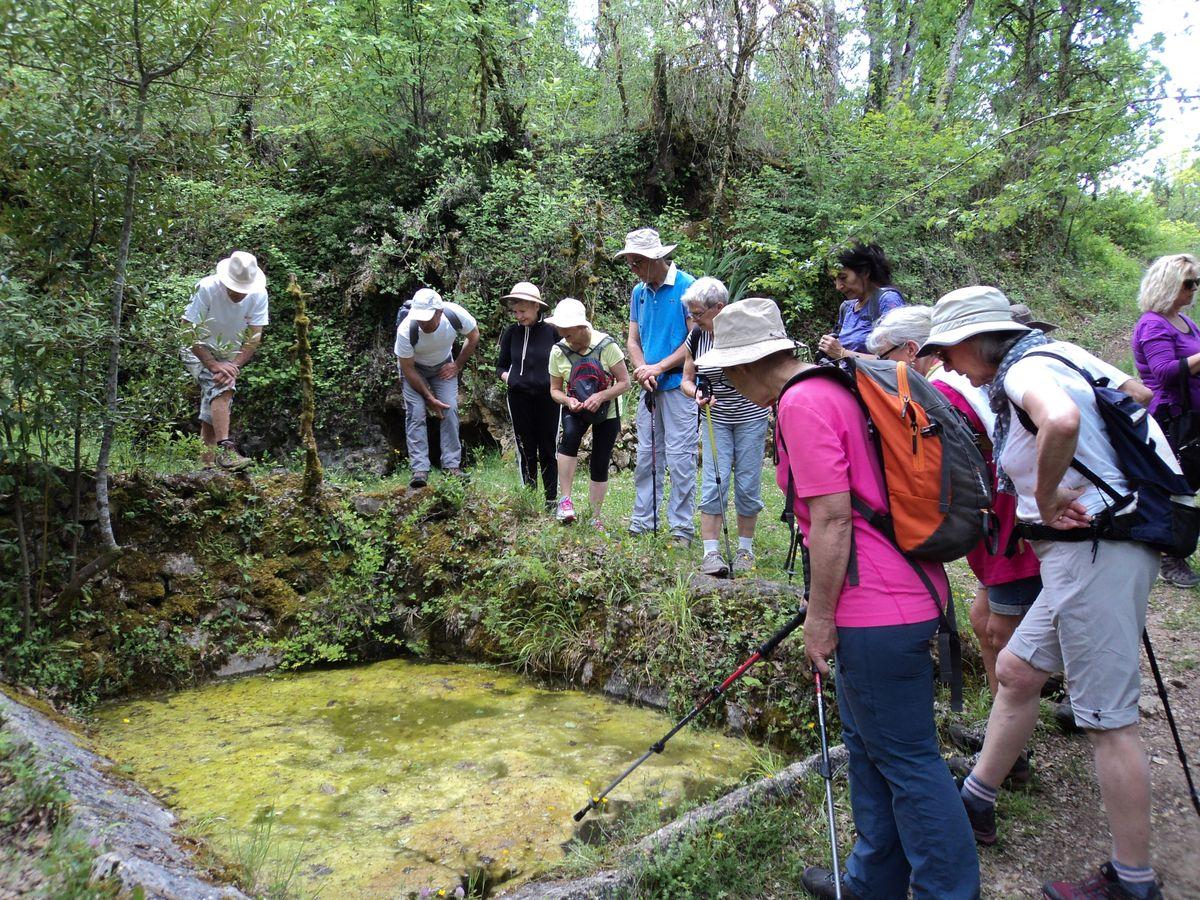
(135, 831)
(616, 882)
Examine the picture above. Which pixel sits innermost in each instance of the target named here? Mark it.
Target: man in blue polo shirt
(658, 330)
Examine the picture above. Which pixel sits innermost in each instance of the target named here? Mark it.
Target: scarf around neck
(1001, 406)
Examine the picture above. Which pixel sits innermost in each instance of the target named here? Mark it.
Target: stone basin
(401, 777)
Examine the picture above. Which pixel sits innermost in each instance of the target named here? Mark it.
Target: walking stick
(763, 652)
(704, 389)
(649, 395)
(827, 774)
(1162, 693)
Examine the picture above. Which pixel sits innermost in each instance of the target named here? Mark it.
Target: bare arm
(1057, 419)
(829, 554)
(408, 367)
(561, 396)
(250, 347)
(633, 344)
(1139, 392)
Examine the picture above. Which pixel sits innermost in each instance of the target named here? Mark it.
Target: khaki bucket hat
(746, 331)
(240, 272)
(569, 313)
(966, 312)
(645, 242)
(525, 290)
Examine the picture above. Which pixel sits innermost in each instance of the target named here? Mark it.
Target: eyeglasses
(884, 354)
(1189, 284)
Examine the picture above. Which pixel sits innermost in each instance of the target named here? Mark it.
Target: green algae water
(391, 778)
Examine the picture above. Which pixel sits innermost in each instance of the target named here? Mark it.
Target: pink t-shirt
(821, 422)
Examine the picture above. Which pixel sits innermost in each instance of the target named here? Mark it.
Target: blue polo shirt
(662, 321)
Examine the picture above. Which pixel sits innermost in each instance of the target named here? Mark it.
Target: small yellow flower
(720, 835)
(811, 725)
(605, 800)
(126, 721)
(441, 892)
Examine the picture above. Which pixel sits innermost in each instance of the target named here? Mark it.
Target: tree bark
(314, 474)
(608, 41)
(876, 55)
(112, 397)
(901, 64)
(946, 90)
(830, 55)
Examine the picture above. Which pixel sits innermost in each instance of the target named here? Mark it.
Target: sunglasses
(1189, 284)
(884, 354)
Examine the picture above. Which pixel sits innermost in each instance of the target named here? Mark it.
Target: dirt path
(1058, 829)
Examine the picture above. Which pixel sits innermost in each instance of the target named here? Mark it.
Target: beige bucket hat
(240, 273)
(746, 331)
(569, 313)
(966, 312)
(525, 290)
(645, 242)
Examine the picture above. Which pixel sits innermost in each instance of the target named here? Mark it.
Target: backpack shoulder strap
(841, 317)
(414, 333)
(570, 354)
(455, 319)
(600, 347)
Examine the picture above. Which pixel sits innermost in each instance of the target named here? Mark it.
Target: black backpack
(588, 376)
(1160, 511)
(414, 328)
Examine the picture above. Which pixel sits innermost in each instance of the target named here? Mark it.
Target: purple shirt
(1157, 348)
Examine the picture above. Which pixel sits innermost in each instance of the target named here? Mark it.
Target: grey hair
(899, 326)
(1164, 278)
(709, 291)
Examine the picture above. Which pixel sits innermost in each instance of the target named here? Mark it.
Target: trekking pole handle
(770, 644)
(704, 388)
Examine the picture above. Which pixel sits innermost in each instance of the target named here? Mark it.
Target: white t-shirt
(221, 324)
(1093, 448)
(433, 348)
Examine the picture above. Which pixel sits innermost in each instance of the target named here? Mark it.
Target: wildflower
(126, 721)
(459, 892)
(441, 892)
(720, 835)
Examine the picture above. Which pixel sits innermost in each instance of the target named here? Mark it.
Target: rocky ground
(1059, 830)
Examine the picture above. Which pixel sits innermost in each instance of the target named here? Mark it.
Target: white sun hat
(966, 312)
(645, 242)
(425, 305)
(746, 331)
(525, 290)
(240, 273)
(569, 313)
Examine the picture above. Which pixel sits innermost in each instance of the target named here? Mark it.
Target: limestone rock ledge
(135, 831)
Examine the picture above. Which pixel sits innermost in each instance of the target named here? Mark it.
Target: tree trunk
(112, 399)
(608, 41)
(77, 468)
(946, 90)
(735, 106)
(830, 56)
(662, 123)
(1069, 9)
(314, 474)
(901, 65)
(876, 55)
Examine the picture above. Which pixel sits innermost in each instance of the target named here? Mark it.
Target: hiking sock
(977, 796)
(746, 543)
(712, 547)
(1139, 882)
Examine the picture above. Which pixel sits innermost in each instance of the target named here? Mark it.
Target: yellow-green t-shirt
(560, 366)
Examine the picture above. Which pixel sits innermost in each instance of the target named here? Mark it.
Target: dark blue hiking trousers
(912, 828)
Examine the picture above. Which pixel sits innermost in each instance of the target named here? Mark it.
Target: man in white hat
(666, 420)
(224, 319)
(429, 376)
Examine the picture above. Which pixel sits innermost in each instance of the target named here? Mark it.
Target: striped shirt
(731, 407)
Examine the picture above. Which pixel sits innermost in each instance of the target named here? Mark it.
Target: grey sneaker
(743, 561)
(1177, 572)
(714, 564)
(230, 458)
(418, 480)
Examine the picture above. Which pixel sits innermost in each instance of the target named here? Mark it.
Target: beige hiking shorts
(1087, 623)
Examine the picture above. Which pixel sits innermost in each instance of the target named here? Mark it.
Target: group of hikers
(1064, 576)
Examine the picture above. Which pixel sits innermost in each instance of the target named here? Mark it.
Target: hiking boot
(818, 881)
(1175, 570)
(681, 541)
(743, 561)
(418, 480)
(551, 505)
(983, 821)
(966, 739)
(1018, 777)
(229, 458)
(1104, 884)
(1065, 717)
(456, 473)
(566, 511)
(714, 564)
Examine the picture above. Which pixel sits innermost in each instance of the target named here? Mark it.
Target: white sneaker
(714, 564)
(743, 560)
(566, 511)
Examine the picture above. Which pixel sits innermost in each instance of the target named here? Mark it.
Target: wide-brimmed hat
(966, 312)
(425, 305)
(240, 273)
(525, 290)
(569, 313)
(1023, 314)
(645, 242)
(746, 331)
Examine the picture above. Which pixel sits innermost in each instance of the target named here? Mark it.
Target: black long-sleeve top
(525, 356)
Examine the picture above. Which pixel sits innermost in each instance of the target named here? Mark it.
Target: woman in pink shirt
(868, 607)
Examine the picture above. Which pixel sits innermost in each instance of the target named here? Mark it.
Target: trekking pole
(1162, 693)
(763, 652)
(827, 774)
(703, 390)
(649, 395)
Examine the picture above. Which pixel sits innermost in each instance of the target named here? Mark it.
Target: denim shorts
(1013, 598)
(740, 452)
(208, 388)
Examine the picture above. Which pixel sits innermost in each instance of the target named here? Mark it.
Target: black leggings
(604, 438)
(535, 423)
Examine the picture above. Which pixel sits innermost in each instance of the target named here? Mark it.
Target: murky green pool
(386, 779)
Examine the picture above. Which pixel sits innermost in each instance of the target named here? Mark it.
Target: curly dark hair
(868, 260)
